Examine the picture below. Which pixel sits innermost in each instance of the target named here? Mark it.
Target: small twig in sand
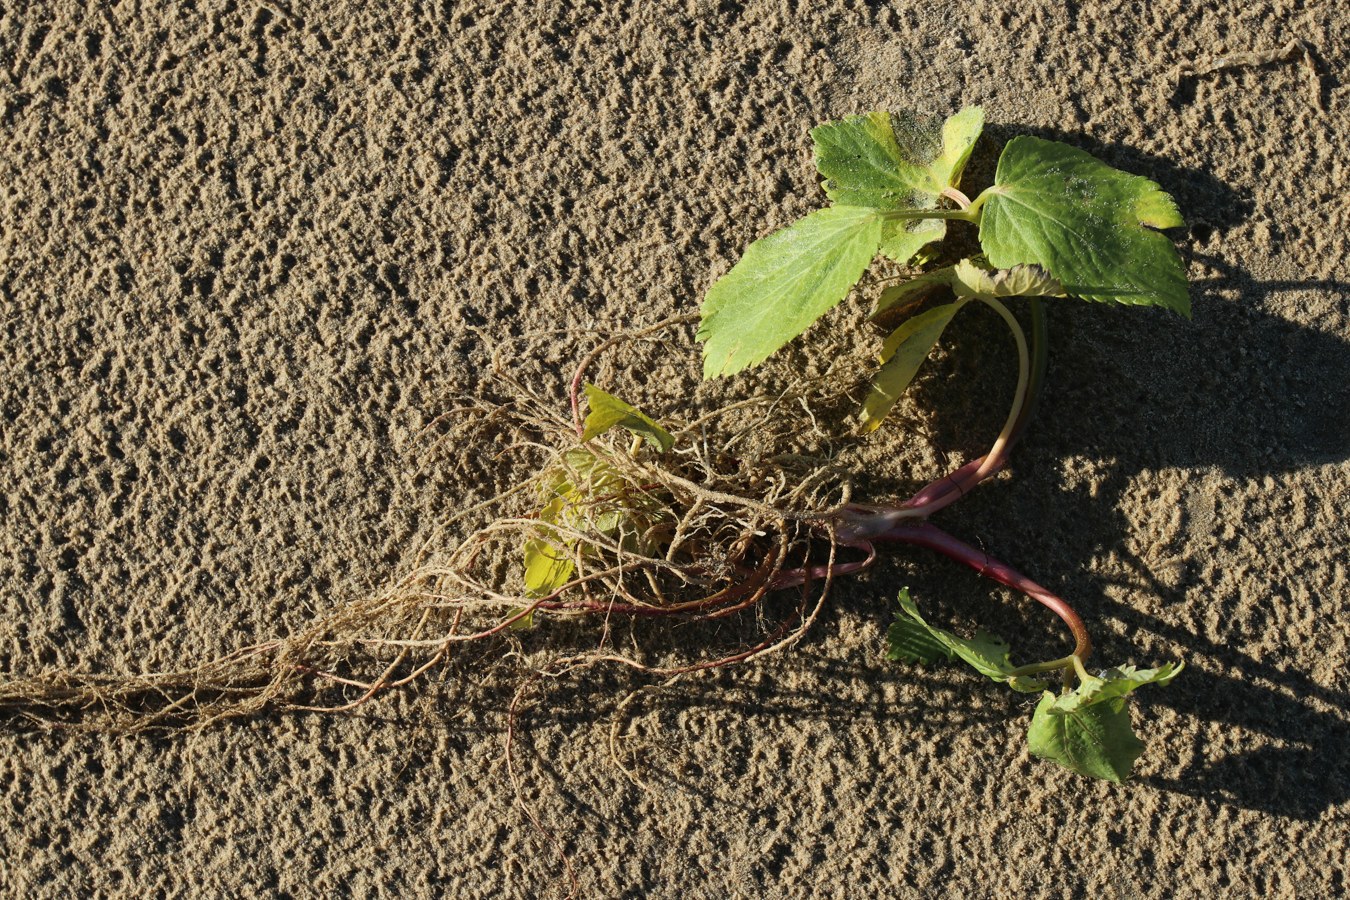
(1296, 49)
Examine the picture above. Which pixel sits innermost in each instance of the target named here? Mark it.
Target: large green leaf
(608, 411)
(901, 355)
(897, 161)
(1091, 225)
(911, 639)
(894, 162)
(783, 283)
(1096, 741)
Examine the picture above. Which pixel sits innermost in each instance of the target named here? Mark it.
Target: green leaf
(548, 563)
(910, 638)
(970, 279)
(1089, 224)
(525, 622)
(584, 493)
(896, 162)
(1096, 741)
(901, 355)
(903, 239)
(608, 411)
(1088, 729)
(782, 284)
(948, 154)
(862, 164)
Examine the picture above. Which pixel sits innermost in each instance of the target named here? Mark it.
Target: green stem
(964, 215)
(976, 205)
(1053, 665)
(1005, 437)
(1040, 358)
(991, 461)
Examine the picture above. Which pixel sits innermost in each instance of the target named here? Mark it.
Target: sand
(247, 251)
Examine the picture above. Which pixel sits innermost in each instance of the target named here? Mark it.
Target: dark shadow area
(1238, 389)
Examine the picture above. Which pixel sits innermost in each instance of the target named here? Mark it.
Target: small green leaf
(782, 284)
(901, 355)
(525, 622)
(912, 639)
(970, 279)
(903, 239)
(1114, 684)
(608, 411)
(1089, 224)
(547, 567)
(583, 493)
(1097, 741)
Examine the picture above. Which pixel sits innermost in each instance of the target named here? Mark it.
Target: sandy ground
(248, 250)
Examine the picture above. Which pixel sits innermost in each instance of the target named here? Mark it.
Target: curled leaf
(1096, 741)
(913, 291)
(901, 355)
(1114, 684)
(970, 279)
(1088, 730)
(608, 411)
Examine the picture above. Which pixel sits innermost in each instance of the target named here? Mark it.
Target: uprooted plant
(1055, 223)
(714, 515)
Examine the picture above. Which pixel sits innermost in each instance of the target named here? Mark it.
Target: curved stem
(947, 491)
(956, 196)
(1040, 360)
(574, 389)
(805, 575)
(923, 534)
(979, 201)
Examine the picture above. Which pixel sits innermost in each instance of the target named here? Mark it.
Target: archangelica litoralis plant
(1056, 222)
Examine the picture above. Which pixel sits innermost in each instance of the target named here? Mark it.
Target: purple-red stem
(807, 574)
(924, 534)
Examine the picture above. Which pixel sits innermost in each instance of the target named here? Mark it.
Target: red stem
(807, 574)
(923, 534)
(961, 481)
